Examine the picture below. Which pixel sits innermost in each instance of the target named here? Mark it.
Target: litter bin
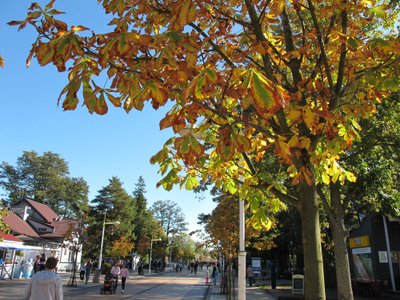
(96, 276)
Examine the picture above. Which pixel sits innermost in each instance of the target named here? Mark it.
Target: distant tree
(184, 248)
(45, 178)
(121, 247)
(152, 229)
(171, 219)
(144, 220)
(170, 216)
(115, 204)
(3, 226)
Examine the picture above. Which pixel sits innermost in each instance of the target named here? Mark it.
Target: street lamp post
(242, 254)
(101, 246)
(151, 252)
(242, 251)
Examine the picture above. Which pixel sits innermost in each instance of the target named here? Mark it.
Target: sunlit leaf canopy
(249, 78)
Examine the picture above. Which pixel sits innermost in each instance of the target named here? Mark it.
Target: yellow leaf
(309, 118)
(293, 142)
(351, 177)
(325, 178)
(79, 28)
(305, 143)
(294, 115)
(158, 93)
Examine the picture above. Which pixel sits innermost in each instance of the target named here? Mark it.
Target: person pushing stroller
(115, 272)
(108, 285)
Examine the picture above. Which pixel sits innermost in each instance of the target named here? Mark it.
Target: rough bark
(340, 234)
(343, 275)
(314, 283)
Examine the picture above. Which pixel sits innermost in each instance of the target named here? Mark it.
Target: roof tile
(18, 225)
(47, 213)
(61, 228)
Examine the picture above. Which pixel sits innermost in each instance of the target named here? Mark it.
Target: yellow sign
(360, 241)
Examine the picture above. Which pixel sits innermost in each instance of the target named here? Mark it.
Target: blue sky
(96, 147)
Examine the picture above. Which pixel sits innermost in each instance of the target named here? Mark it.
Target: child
(124, 275)
(207, 277)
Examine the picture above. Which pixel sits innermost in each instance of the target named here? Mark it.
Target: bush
(105, 268)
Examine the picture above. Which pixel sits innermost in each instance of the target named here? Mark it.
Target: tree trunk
(340, 234)
(314, 284)
(343, 276)
(229, 280)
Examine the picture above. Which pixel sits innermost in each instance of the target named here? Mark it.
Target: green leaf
(185, 145)
(191, 182)
(173, 36)
(88, 96)
(352, 42)
(230, 186)
(263, 98)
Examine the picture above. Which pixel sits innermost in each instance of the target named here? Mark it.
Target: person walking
(115, 271)
(42, 262)
(124, 276)
(88, 269)
(250, 275)
(45, 285)
(82, 271)
(214, 274)
(207, 277)
(36, 264)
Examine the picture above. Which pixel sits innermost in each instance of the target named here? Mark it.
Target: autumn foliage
(246, 78)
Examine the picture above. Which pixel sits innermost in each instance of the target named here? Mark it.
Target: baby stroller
(108, 285)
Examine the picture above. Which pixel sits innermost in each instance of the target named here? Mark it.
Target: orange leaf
(167, 121)
(101, 105)
(282, 150)
(123, 46)
(225, 149)
(307, 178)
(157, 93)
(182, 13)
(116, 101)
(49, 5)
(70, 102)
(243, 144)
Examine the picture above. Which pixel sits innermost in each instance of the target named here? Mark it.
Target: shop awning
(16, 246)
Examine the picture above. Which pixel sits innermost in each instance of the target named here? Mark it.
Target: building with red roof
(39, 227)
(19, 227)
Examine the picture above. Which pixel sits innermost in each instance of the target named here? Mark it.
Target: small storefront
(16, 259)
(375, 251)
